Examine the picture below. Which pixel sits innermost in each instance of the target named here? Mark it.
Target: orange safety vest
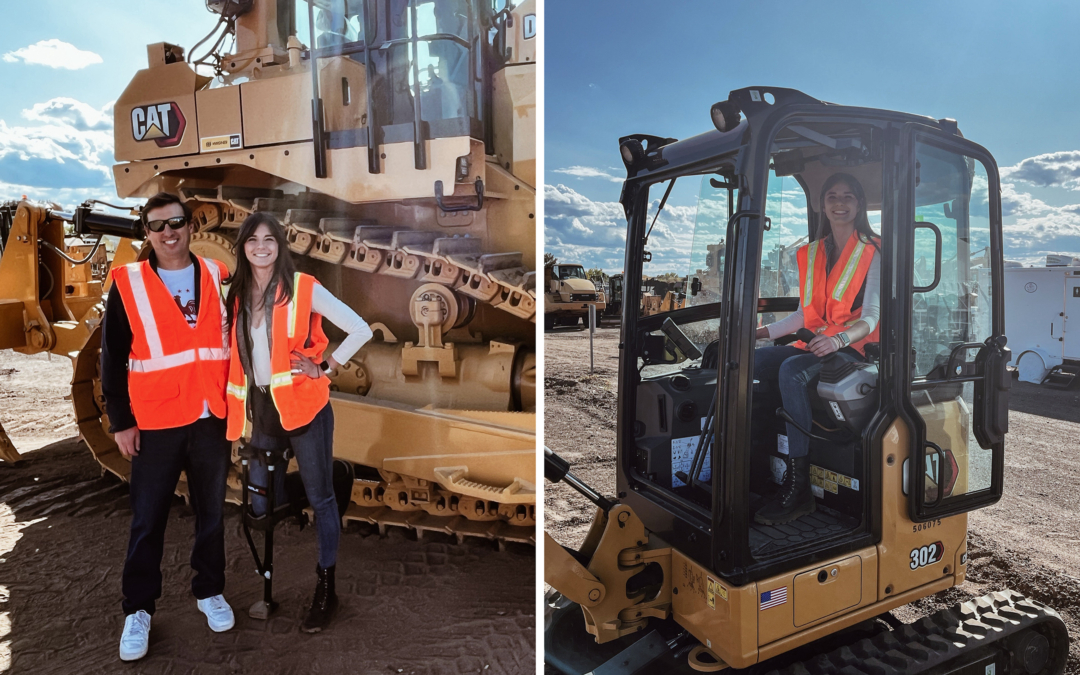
(298, 398)
(173, 368)
(827, 299)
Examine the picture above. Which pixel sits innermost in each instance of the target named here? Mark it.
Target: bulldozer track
(1003, 623)
(457, 262)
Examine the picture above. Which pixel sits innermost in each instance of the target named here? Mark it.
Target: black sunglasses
(159, 225)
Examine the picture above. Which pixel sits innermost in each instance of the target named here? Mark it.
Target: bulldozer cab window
(431, 49)
(951, 318)
(337, 22)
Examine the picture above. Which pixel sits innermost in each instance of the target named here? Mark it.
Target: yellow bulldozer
(396, 142)
(676, 575)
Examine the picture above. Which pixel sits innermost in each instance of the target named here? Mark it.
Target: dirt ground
(407, 606)
(1028, 542)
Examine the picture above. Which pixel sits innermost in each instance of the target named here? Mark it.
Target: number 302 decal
(926, 555)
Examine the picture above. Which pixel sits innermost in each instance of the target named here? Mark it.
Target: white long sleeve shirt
(871, 306)
(322, 302)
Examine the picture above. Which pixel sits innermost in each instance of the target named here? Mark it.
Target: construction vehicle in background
(659, 296)
(613, 298)
(675, 575)
(567, 296)
(396, 142)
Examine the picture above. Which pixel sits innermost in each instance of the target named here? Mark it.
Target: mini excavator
(674, 574)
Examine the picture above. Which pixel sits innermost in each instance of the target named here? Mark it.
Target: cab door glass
(705, 273)
(677, 364)
(785, 230)
(951, 316)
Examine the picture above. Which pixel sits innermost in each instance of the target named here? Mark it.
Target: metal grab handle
(478, 186)
(953, 354)
(927, 225)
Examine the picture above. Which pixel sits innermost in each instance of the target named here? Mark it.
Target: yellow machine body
(432, 243)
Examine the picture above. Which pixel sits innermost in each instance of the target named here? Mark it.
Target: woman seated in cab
(278, 376)
(839, 298)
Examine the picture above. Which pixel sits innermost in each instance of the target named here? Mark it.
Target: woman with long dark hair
(278, 379)
(839, 291)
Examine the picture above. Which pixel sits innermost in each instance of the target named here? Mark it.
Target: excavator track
(1001, 633)
(455, 262)
(1015, 634)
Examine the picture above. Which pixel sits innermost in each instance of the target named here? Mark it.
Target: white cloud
(66, 155)
(1015, 203)
(73, 113)
(589, 172)
(55, 54)
(593, 233)
(1055, 169)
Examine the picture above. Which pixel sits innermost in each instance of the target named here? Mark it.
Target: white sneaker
(136, 638)
(219, 615)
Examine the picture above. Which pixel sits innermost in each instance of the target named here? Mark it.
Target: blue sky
(1005, 72)
(62, 64)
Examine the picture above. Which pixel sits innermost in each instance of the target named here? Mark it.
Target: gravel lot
(1029, 541)
(428, 607)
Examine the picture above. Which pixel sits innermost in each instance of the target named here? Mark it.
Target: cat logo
(162, 123)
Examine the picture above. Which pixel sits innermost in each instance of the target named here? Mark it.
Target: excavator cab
(902, 444)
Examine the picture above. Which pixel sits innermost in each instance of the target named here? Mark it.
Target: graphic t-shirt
(181, 285)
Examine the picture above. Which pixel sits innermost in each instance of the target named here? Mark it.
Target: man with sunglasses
(164, 363)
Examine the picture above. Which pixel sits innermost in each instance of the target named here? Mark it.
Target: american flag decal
(774, 598)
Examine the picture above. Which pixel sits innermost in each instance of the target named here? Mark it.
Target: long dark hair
(280, 288)
(862, 223)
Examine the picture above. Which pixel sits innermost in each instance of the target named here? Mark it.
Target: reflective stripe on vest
(238, 390)
(285, 378)
(145, 310)
(178, 359)
(811, 261)
(849, 270)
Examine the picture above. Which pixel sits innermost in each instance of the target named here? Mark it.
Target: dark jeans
(793, 369)
(201, 450)
(314, 450)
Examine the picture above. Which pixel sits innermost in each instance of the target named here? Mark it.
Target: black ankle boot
(324, 604)
(795, 499)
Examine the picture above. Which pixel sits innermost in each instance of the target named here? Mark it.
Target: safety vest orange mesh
(827, 298)
(173, 368)
(298, 398)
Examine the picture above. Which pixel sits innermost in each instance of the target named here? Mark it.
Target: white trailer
(1042, 322)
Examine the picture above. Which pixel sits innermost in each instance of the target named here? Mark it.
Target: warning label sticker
(682, 456)
(714, 591)
(830, 480)
(219, 143)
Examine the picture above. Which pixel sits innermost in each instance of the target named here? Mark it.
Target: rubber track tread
(935, 643)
